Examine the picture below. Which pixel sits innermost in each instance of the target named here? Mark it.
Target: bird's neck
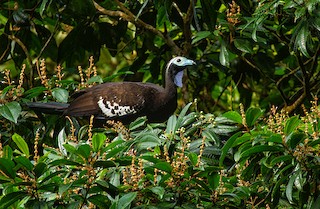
(170, 89)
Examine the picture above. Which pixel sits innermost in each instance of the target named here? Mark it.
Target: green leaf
(7, 152)
(234, 116)
(7, 167)
(164, 166)
(160, 191)
(244, 45)
(181, 116)
(100, 200)
(252, 114)
(25, 162)
(104, 164)
(302, 38)
(34, 92)
(21, 143)
(60, 94)
(10, 198)
(84, 150)
(224, 55)
(258, 149)
(98, 140)
(201, 35)
(95, 79)
(62, 138)
(39, 169)
(171, 124)
(139, 122)
(147, 140)
(227, 146)
(11, 111)
(289, 187)
(126, 200)
(193, 157)
(291, 125)
(214, 180)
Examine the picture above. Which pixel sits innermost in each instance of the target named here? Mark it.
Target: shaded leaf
(11, 111)
(227, 146)
(126, 200)
(25, 162)
(11, 198)
(291, 125)
(252, 114)
(7, 167)
(60, 94)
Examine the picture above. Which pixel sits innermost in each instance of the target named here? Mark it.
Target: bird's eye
(179, 60)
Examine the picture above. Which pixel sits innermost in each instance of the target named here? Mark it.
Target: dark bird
(124, 101)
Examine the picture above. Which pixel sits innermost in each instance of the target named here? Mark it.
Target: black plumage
(125, 101)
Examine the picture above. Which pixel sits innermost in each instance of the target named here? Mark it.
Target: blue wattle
(178, 79)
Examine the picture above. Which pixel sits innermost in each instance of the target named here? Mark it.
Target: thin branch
(187, 19)
(48, 41)
(130, 17)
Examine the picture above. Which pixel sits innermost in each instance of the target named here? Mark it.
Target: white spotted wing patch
(112, 109)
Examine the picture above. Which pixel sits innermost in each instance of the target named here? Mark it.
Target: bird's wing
(111, 100)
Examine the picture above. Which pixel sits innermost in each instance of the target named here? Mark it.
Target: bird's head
(175, 68)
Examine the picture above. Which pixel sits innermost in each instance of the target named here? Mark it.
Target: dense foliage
(250, 139)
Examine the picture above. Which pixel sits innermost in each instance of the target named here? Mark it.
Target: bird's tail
(48, 108)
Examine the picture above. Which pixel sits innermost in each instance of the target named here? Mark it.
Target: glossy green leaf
(60, 94)
(289, 187)
(225, 149)
(252, 115)
(11, 111)
(7, 152)
(258, 149)
(214, 180)
(34, 92)
(126, 200)
(21, 143)
(160, 191)
(25, 162)
(193, 157)
(98, 140)
(95, 79)
(201, 35)
(139, 122)
(244, 45)
(39, 169)
(233, 115)
(100, 200)
(11, 198)
(7, 167)
(84, 151)
(171, 124)
(291, 125)
(302, 38)
(224, 55)
(104, 164)
(181, 116)
(164, 166)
